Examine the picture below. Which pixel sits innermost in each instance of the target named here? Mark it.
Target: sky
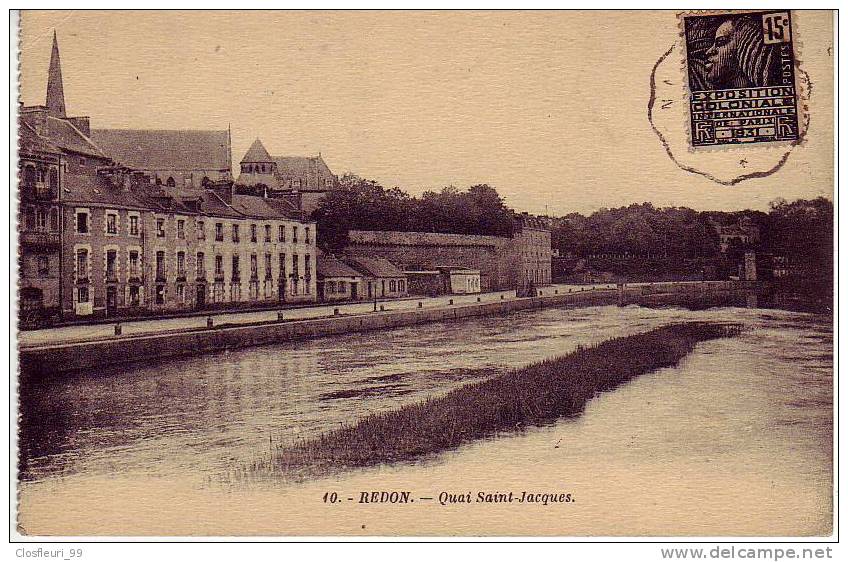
(547, 107)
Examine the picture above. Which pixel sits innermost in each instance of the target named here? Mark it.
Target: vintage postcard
(424, 274)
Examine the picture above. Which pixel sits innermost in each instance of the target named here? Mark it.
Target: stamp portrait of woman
(728, 52)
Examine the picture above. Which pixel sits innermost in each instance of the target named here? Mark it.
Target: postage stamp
(741, 78)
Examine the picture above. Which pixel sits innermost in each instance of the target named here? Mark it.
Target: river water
(745, 419)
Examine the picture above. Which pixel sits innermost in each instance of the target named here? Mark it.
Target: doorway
(111, 301)
(201, 296)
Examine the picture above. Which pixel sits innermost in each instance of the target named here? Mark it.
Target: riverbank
(49, 360)
(534, 395)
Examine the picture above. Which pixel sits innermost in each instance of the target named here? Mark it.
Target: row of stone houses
(146, 222)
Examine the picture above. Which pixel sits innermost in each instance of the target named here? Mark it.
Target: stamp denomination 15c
(741, 77)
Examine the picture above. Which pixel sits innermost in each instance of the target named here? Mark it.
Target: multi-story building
(39, 219)
(100, 238)
(102, 247)
(532, 243)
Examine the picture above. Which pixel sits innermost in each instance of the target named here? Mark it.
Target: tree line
(362, 204)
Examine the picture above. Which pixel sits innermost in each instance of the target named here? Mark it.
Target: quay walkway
(100, 331)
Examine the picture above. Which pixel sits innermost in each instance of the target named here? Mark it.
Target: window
(170, 182)
(392, 285)
(268, 266)
(306, 236)
(54, 219)
(43, 266)
(82, 294)
(82, 222)
(135, 296)
(331, 287)
(219, 232)
(267, 232)
(133, 225)
(219, 266)
(29, 178)
(82, 161)
(82, 265)
(294, 266)
(181, 294)
(307, 266)
(111, 256)
(160, 294)
(236, 273)
(133, 265)
(111, 223)
(294, 234)
(281, 235)
(181, 229)
(235, 233)
(180, 264)
(30, 218)
(401, 286)
(201, 265)
(160, 228)
(201, 230)
(41, 219)
(253, 233)
(160, 265)
(254, 271)
(282, 268)
(54, 181)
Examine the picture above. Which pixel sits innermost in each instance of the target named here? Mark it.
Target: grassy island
(536, 394)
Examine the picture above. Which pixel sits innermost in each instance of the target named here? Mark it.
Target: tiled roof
(68, 137)
(144, 149)
(95, 190)
(328, 266)
(257, 153)
(374, 267)
(285, 208)
(30, 141)
(301, 166)
(259, 207)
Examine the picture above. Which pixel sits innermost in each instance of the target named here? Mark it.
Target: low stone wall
(50, 360)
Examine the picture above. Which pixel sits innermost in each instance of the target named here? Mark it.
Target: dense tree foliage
(803, 232)
(361, 204)
(637, 230)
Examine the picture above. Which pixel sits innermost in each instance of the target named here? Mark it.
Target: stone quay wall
(51, 360)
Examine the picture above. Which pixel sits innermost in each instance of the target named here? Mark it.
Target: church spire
(55, 91)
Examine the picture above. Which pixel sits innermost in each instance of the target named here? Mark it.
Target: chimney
(82, 123)
(224, 191)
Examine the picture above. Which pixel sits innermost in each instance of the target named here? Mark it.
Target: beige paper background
(551, 108)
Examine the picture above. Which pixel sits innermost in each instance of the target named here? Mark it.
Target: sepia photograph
(558, 275)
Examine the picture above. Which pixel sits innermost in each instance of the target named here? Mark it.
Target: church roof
(145, 149)
(257, 153)
(55, 89)
(301, 166)
(67, 137)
